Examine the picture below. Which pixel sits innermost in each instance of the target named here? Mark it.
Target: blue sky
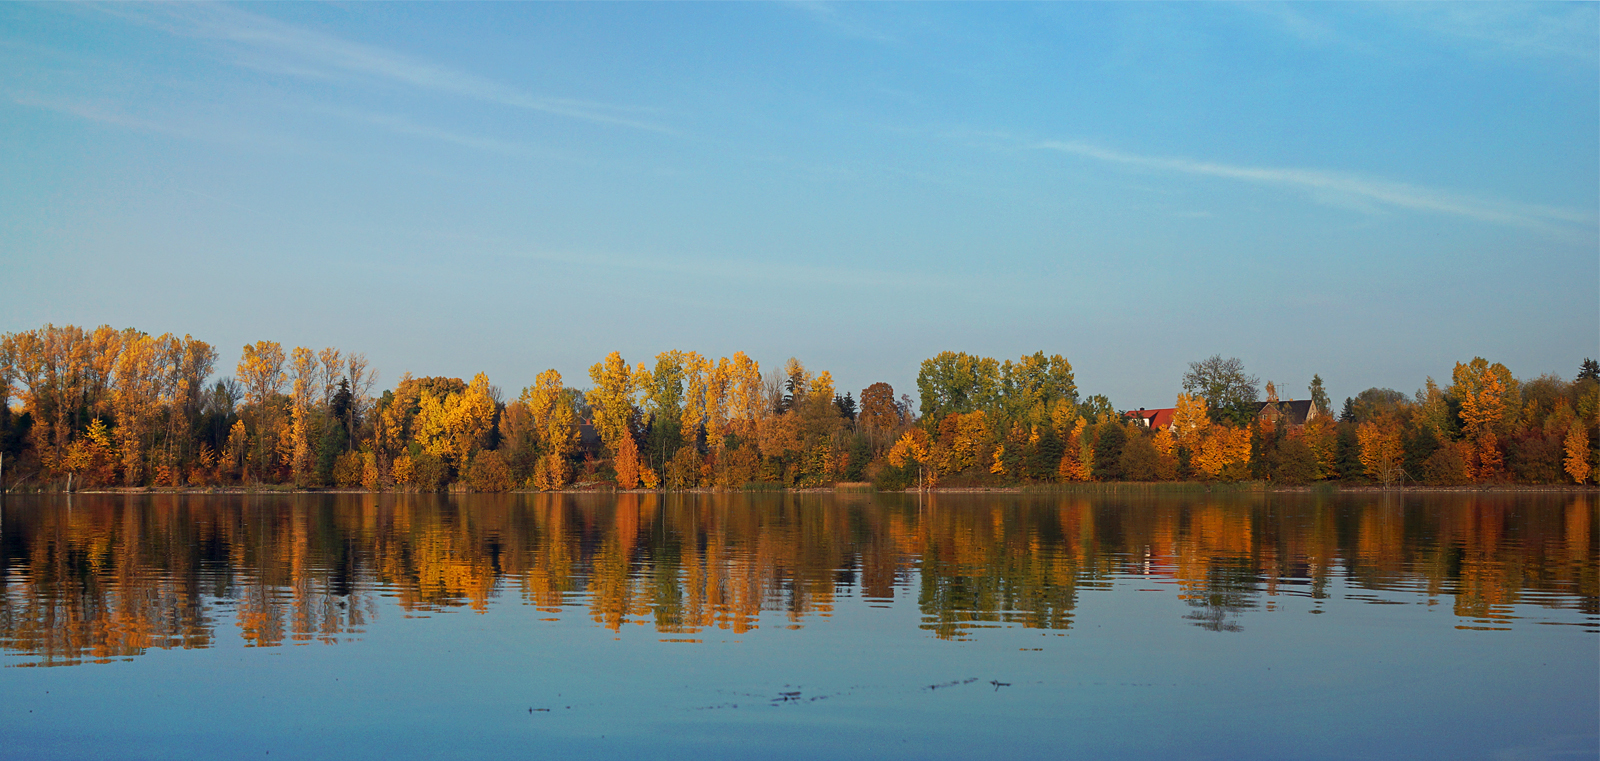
(1371, 192)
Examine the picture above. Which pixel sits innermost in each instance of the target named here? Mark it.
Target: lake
(1228, 626)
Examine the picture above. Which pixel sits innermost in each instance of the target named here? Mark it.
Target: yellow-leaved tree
(748, 403)
(1577, 451)
(1190, 417)
(1380, 450)
(455, 427)
(260, 370)
(1222, 452)
(141, 376)
(611, 400)
(1487, 393)
(1078, 454)
(913, 447)
(550, 405)
(306, 385)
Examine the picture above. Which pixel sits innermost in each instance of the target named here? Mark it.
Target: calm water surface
(799, 626)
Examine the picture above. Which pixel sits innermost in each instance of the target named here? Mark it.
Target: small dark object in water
(998, 684)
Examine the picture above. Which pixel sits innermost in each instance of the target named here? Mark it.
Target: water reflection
(107, 577)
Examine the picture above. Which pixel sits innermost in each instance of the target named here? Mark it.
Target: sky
(1366, 192)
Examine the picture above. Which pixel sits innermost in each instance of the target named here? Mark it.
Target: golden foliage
(718, 391)
(260, 370)
(549, 404)
(683, 470)
(911, 446)
(964, 438)
(1166, 446)
(455, 427)
(238, 446)
(1577, 452)
(1222, 452)
(1075, 456)
(1380, 450)
(551, 472)
(695, 378)
(627, 463)
(1063, 417)
(748, 404)
(371, 478)
(1190, 418)
(778, 435)
(1322, 437)
(1486, 392)
(611, 399)
(488, 472)
(401, 470)
(306, 373)
(348, 470)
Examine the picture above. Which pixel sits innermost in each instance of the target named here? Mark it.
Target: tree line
(104, 407)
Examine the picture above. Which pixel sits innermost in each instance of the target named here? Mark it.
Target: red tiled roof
(1155, 418)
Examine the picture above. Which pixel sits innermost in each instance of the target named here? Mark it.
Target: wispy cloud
(1529, 30)
(272, 45)
(829, 16)
(403, 126)
(1343, 187)
(225, 131)
(1557, 30)
(95, 112)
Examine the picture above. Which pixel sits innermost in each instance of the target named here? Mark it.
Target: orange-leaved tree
(1380, 450)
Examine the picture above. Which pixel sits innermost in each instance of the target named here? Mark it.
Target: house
(1294, 412)
(1153, 419)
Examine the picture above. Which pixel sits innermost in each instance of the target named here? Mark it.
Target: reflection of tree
(1012, 564)
(111, 577)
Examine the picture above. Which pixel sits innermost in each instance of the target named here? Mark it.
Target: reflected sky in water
(1239, 626)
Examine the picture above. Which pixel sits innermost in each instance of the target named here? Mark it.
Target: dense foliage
(108, 407)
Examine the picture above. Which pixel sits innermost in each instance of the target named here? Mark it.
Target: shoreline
(1173, 487)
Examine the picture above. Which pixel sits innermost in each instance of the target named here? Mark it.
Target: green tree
(1096, 407)
(1231, 392)
(1109, 442)
(957, 382)
(1319, 396)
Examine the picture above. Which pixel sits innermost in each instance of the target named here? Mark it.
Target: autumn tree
(261, 371)
(662, 392)
(1380, 450)
(880, 416)
(1576, 446)
(304, 389)
(1190, 417)
(1222, 452)
(1077, 455)
(138, 389)
(1487, 393)
(913, 446)
(554, 423)
(746, 406)
(611, 399)
(455, 427)
(627, 462)
(1034, 384)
